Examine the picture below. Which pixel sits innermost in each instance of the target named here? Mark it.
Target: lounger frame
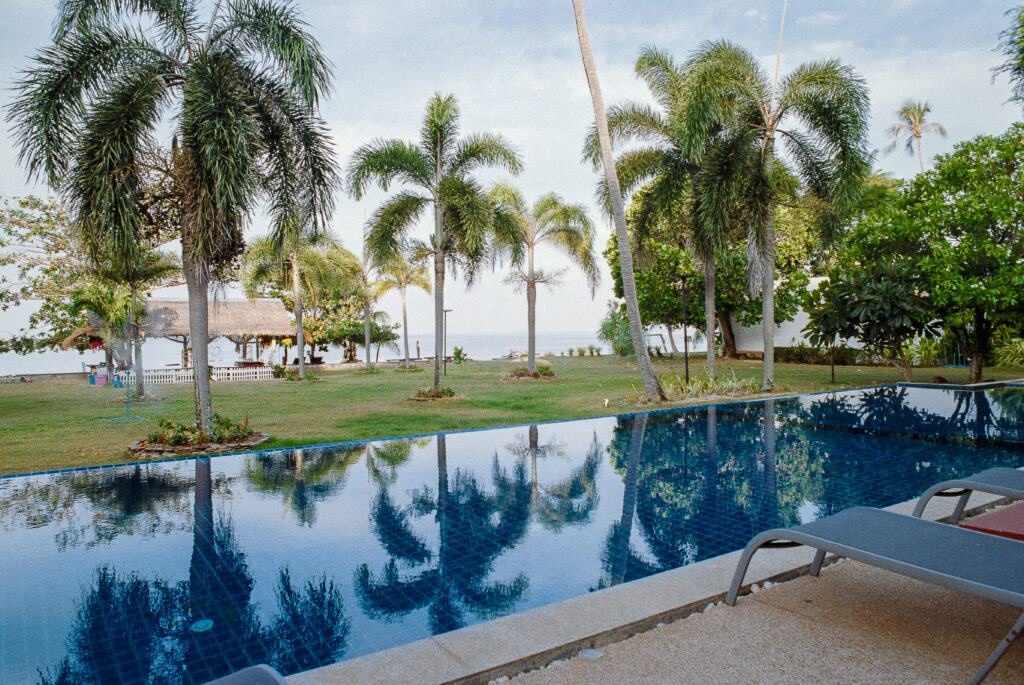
(827, 537)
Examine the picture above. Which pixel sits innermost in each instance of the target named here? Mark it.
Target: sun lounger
(254, 675)
(1002, 481)
(979, 564)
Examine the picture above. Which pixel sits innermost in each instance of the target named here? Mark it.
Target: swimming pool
(181, 571)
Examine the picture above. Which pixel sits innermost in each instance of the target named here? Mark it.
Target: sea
(160, 352)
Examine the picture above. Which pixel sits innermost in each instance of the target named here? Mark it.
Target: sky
(515, 68)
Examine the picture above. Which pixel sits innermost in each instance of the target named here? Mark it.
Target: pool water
(183, 571)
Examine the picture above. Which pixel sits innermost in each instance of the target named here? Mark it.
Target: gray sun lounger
(977, 563)
(1001, 481)
(261, 674)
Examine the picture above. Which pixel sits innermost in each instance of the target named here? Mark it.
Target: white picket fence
(217, 373)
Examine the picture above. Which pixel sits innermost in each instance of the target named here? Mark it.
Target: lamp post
(444, 340)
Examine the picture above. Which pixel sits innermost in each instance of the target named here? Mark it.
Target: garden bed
(144, 448)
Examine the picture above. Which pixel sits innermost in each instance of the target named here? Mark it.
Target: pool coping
(534, 638)
(1016, 382)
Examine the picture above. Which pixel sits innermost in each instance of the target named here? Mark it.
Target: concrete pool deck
(856, 624)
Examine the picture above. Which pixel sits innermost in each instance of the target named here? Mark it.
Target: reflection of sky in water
(520, 523)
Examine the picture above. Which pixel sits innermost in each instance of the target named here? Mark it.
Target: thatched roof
(264, 317)
(261, 317)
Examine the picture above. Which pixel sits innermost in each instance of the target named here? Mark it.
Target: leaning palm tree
(239, 91)
(400, 274)
(911, 127)
(439, 168)
(665, 170)
(650, 380)
(732, 118)
(549, 220)
(294, 259)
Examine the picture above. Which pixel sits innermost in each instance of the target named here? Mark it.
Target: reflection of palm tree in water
(474, 528)
(618, 543)
(571, 500)
(129, 629)
(302, 477)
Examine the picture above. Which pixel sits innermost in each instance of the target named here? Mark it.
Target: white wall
(788, 334)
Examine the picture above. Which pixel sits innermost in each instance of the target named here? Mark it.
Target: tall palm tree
(666, 170)
(242, 88)
(401, 274)
(650, 380)
(549, 220)
(298, 260)
(439, 168)
(733, 116)
(911, 127)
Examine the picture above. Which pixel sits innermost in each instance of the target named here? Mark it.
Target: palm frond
(663, 76)
(440, 129)
(53, 93)
(629, 121)
(390, 223)
(276, 31)
(385, 161)
(483, 149)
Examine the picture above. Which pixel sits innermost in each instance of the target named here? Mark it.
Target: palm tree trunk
(768, 305)
(709, 313)
(624, 529)
(140, 385)
(300, 340)
(108, 357)
(404, 324)
(531, 316)
(643, 359)
(920, 154)
(197, 281)
(366, 334)
(438, 314)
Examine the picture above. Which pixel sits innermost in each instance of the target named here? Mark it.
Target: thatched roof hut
(257, 318)
(235, 319)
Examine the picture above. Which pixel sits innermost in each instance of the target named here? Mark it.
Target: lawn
(59, 424)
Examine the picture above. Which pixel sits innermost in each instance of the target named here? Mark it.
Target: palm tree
(361, 276)
(910, 128)
(665, 170)
(732, 117)
(650, 380)
(550, 220)
(112, 304)
(148, 269)
(242, 89)
(439, 168)
(309, 264)
(1011, 44)
(401, 274)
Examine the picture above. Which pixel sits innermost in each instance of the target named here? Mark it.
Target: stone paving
(854, 624)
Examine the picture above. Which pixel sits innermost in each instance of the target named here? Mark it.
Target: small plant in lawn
(523, 372)
(459, 355)
(581, 351)
(428, 393)
(676, 387)
(590, 350)
(224, 430)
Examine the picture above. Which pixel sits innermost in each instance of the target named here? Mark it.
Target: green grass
(48, 425)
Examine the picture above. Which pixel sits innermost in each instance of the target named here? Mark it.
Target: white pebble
(754, 588)
(556, 662)
(709, 606)
(591, 654)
